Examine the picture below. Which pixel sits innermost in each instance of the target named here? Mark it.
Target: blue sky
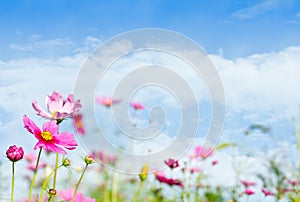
(238, 28)
(255, 45)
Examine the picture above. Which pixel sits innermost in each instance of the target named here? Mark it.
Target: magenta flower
(58, 109)
(202, 152)
(293, 182)
(160, 176)
(267, 192)
(106, 101)
(249, 191)
(247, 183)
(15, 153)
(49, 138)
(68, 194)
(172, 163)
(215, 162)
(137, 106)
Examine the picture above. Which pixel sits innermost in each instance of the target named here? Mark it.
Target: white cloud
(254, 10)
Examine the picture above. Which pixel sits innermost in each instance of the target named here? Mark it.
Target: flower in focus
(15, 153)
(249, 191)
(160, 176)
(137, 106)
(49, 138)
(78, 124)
(172, 163)
(247, 183)
(68, 194)
(267, 192)
(58, 109)
(202, 152)
(106, 101)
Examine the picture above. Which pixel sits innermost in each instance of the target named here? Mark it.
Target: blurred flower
(247, 183)
(49, 138)
(160, 176)
(172, 163)
(30, 158)
(195, 170)
(202, 152)
(293, 182)
(104, 157)
(144, 172)
(215, 162)
(249, 191)
(106, 101)
(15, 153)
(137, 106)
(78, 124)
(68, 194)
(267, 192)
(58, 109)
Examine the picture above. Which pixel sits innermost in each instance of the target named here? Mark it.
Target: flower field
(204, 174)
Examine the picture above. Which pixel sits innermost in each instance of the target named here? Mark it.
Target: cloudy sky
(254, 44)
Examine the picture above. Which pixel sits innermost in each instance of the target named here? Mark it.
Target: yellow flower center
(46, 135)
(53, 114)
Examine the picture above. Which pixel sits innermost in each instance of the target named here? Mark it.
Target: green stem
(79, 181)
(34, 174)
(12, 182)
(138, 192)
(46, 183)
(114, 197)
(55, 173)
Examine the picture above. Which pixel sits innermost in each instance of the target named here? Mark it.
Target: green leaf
(225, 145)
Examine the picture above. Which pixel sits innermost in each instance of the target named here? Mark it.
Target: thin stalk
(34, 174)
(78, 183)
(46, 183)
(12, 182)
(138, 192)
(55, 173)
(114, 197)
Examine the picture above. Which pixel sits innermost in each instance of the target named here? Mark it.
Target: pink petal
(66, 140)
(39, 110)
(54, 102)
(31, 126)
(51, 126)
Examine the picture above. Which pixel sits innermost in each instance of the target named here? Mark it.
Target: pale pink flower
(202, 152)
(68, 194)
(58, 109)
(249, 191)
(293, 182)
(31, 158)
(195, 170)
(78, 124)
(267, 192)
(49, 138)
(106, 101)
(137, 106)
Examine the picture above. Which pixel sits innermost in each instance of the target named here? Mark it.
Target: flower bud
(66, 162)
(88, 159)
(15, 153)
(52, 192)
(144, 172)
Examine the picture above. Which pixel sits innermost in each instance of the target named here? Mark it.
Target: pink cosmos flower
(15, 153)
(293, 182)
(30, 158)
(49, 138)
(247, 183)
(171, 163)
(160, 176)
(68, 194)
(202, 152)
(106, 101)
(58, 109)
(249, 191)
(215, 162)
(104, 157)
(137, 106)
(267, 192)
(78, 124)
